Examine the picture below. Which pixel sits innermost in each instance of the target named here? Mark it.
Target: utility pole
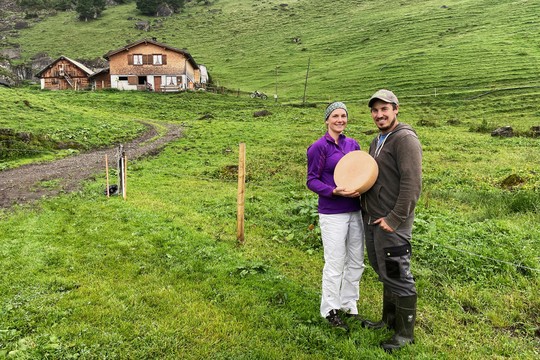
(305, 85)
(275, 94)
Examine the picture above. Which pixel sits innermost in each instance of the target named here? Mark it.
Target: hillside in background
(352, 47)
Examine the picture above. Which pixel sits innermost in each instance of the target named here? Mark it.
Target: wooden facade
(142, 65)
(65, 73)
(150, 65)
(101, 79)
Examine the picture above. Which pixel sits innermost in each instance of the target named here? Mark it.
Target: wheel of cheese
(357, 170)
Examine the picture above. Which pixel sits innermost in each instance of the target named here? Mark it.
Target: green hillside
(161, 274)
(354, 47)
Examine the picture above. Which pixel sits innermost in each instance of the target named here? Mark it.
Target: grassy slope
(159, 276)
(354, 46)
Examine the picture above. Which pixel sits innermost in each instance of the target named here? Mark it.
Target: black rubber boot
(388, 313)
(405, 320)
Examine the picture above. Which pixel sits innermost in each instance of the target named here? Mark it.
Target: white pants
(343, 242)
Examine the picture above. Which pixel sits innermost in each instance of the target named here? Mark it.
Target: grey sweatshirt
(398, 186)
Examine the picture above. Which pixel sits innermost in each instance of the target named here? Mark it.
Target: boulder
(164, 10)
(262, 113)
(505, 131)
(142, 25)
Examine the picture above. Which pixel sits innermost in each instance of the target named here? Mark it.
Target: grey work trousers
(390, 256)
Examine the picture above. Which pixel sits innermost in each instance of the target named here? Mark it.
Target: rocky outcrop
(505, 131)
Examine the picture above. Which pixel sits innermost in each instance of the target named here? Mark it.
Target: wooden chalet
(151, 65)
(65, 73)
(101, 79)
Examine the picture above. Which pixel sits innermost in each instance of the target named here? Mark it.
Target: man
(388, 213)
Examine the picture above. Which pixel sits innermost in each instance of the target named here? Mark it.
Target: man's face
(384, 115)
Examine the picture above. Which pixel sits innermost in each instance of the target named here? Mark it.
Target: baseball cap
(384, 95)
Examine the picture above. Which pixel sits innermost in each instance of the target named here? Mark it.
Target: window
(170, 80)
(158, 60)
(137, 59)
(122, 78)
(142, 80)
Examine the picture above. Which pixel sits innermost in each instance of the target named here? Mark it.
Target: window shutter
(147, 59)
(164, 59)
(133, 80)
(130, 59)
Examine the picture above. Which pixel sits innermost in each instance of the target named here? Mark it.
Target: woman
(340, 219)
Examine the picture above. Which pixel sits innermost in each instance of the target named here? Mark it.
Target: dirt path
(22, 185)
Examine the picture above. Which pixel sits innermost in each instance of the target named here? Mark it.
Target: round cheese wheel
(357, 170)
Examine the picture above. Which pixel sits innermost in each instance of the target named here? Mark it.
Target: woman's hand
(341, 191)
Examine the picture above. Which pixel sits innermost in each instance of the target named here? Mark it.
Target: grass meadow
(161, 274)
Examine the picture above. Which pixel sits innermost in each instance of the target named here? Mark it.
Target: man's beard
(389, 126)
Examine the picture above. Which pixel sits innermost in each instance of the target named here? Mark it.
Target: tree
(89, 9)
(60, 5)
(177, 5)
(31, 4)
(149, 7)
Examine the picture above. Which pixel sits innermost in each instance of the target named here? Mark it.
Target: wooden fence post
(125, 176)
(107, 174)
(120, 169)
(241, 193)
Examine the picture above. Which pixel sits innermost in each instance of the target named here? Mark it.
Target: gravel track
(22, 185)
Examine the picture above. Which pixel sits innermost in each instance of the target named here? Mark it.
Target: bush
(89, 9)
(150, 7)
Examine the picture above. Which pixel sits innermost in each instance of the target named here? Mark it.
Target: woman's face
(337, 121)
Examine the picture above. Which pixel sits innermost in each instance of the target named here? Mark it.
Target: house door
(157, 83)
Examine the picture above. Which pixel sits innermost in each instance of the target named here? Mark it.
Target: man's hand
(383, 225)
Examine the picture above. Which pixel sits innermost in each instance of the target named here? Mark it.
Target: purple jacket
(322, 157)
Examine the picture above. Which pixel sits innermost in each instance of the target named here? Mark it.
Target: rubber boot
(405, 320)
(388, 313)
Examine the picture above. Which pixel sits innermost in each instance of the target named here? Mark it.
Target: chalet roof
(87, 70)
(100, 71)
(151, 41)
